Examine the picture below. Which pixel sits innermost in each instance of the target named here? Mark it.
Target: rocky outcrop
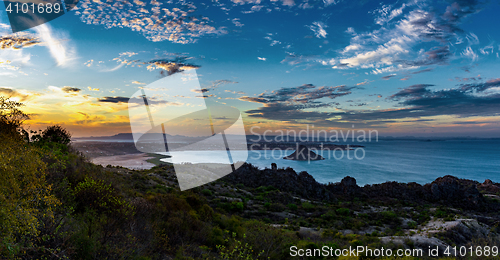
(490, 187)
(455, 191)
(347, 186)
(448, 190)
(304, 154)
(300, 184)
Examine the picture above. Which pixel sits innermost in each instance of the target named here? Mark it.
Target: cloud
(155, 20)
(261, 58)
(469, 53)
(237, 23)
(128, 53)
(57, 47)
(300, 94)
(319, 29)
(422, 71)
(170, 66)
(167, 66)
(363, 83)
(242, 2)
(293, 59)
(402, 28)
(216, 84)
(438, 55)
(114, 100)
(134, 100)
(291, 104)
(388, 76)
(289, 112)
(138, 82)
(13, 54)
(331, 2)
(417, 101)
(17, 94)
(200, 91)
(386, 13)
(71, 89)
(412, 91)
(487, 50)
(273, 41)
(18, 41)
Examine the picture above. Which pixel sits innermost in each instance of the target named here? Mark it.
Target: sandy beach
(130, 161)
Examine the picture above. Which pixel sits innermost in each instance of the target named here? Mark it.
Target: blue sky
(422, 68)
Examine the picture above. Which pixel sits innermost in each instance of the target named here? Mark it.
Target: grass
(156, 160)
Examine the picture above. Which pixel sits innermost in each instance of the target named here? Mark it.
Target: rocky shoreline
(462, 193)
(446, 212)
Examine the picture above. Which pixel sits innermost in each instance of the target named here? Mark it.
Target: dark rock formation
(448, 190)
(274, 167)
(490, 187)
(287, 180)
(304, 154)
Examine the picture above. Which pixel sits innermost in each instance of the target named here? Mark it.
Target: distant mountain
(121, 137)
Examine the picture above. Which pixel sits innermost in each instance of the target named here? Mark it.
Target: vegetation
(55, 204)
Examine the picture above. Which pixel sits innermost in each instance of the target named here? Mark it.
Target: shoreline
(137, 161)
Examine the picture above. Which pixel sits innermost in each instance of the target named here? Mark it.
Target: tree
(25, 197)
(56, 134)
(11, 117)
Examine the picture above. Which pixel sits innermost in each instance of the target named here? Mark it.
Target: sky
(403, 68)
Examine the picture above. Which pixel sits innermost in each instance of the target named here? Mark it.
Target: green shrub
(292, 206)
(206, 192)
(343, 211)
(308, 206)
(412, 224)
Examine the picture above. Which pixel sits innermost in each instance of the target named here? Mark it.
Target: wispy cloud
(58, 47)
(469, 53)
(319, 29)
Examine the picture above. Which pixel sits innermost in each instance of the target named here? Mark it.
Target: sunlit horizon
(407, 68)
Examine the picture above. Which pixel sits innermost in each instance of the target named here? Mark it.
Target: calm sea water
(402, 161)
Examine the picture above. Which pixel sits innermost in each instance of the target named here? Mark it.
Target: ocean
(386, 160)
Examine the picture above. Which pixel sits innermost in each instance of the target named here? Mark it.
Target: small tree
(56, 134)
(11, 117)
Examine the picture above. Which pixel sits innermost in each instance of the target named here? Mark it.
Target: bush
(52, 134)
(412, 224)
(308, 206)
(206, 192)
(343, 211)
(292, 206)
(25, 196)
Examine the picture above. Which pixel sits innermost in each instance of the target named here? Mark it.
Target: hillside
(58, 205)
